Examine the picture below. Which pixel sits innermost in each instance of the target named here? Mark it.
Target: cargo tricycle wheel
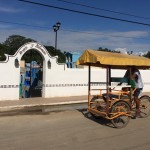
(118, 108)
(94, 105)
(145, 106)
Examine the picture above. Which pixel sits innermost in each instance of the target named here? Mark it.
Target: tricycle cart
(115, 105)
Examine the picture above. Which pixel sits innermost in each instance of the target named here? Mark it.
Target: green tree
(104, 49)
(3, 50)
(147, 55)
(14, 42)
(32, 55)
(107, 50)
(53, 52)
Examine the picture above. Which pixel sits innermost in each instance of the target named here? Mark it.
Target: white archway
(10, 71)
(41, 50)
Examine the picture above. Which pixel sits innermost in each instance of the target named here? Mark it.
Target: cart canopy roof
(115, 60)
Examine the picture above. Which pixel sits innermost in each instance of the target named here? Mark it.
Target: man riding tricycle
(117, 105)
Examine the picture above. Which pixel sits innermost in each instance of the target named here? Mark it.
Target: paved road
(70, 130)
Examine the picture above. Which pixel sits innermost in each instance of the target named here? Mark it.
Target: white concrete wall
(9, 80)
(74, 82)
(57, 81)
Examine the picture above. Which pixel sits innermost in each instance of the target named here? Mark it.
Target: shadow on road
(23, 112)
(100, 120)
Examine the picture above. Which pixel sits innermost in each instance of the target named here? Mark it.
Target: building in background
(71, 58)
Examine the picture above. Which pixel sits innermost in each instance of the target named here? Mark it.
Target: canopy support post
(108, 83)
(130, 74)
(108, 78)
(89, 85)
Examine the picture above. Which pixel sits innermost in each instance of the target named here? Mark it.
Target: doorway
(31, 74)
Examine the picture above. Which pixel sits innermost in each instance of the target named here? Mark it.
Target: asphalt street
(70, 130)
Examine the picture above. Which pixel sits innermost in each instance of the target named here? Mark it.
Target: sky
(79, 31)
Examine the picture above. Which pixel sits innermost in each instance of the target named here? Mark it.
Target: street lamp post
(56, 28)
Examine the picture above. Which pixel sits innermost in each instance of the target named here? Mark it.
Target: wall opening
(31, 74)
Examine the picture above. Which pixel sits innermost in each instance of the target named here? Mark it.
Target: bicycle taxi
(115, 105)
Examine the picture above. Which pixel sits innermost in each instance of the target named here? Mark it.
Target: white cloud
(9, 9)
(122, 50)
(111, 40)
(75, 41)
(131, 34)
(2, 26)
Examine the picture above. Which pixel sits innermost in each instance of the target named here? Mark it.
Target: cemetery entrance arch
(28, 86)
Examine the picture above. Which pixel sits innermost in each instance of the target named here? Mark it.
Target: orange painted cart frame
(115, 105)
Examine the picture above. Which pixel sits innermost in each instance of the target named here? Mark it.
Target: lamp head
(58, 24)
(54, 28)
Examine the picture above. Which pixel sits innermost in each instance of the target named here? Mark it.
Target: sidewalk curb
(42, 106)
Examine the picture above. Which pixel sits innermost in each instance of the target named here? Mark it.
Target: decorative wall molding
(9, 86)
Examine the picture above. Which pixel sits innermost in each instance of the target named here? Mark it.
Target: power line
(8, 22)
(85, 13)
(97, 8)
(69, 30)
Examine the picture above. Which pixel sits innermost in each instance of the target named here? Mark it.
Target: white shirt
(139, 83)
